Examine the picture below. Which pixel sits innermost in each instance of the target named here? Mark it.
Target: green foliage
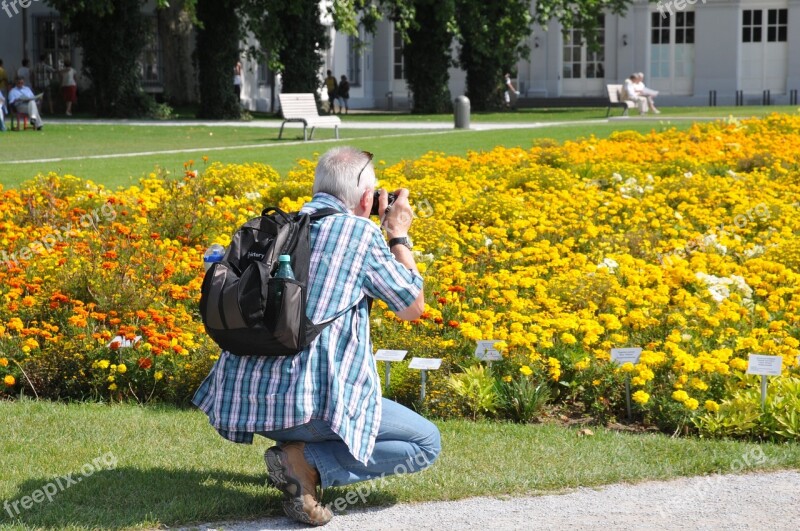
(217, 53)
(491, 36)
(427, 55)
(476, 386)
(521, 399)
(110, 35)
(294, 36)
(743, 416)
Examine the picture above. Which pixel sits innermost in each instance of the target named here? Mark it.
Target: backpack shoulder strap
(322, 212)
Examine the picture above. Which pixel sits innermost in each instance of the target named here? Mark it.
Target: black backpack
(234, 298)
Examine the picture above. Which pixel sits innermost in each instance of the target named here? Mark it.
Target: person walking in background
(331, 86)
(43, 79)
(343, 94)
(69, 86)
(509, 90)
(323, 405)
(237, 80)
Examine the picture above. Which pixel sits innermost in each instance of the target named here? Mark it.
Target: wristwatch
(403, 240)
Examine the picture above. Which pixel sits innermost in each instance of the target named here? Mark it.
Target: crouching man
(324, 406)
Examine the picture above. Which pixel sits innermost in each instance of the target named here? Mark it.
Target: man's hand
(395, 219)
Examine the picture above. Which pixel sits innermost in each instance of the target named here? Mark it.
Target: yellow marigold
(691, 404)
(680, 396)
(158, 375)
(568, 338)
(103, 364)
(525, 370)
(640, 397)
(627, 367)
(699, 384)
(583, 364)
(3, 362)
(112, 387)
(555, 368)
(121, 368)
(738, 364)
(711, 406)
(9, 380)
(15, 323)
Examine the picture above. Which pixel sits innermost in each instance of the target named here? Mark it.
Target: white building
(686, 48)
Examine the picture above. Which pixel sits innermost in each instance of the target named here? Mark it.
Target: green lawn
(119, 145)
(165, 466)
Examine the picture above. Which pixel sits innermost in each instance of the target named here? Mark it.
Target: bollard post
(739, 98)
(462, 112)
(390, 100)
(793, 97)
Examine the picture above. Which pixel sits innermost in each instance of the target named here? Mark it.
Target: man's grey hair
(337, 174)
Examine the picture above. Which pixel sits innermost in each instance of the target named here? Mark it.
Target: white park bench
(303, 108)
(615, 99)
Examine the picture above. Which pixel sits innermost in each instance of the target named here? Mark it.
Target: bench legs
(281, 131)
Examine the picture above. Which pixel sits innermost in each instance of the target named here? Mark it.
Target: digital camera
(376, 198)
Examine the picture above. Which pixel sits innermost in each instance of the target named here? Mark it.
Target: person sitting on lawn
(23, 101)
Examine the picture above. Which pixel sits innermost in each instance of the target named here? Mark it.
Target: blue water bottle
(213, 254)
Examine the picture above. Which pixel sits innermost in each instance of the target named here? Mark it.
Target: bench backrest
(614, 93)
(298, 105)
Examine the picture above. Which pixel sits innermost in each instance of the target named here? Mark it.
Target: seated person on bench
(23, 101)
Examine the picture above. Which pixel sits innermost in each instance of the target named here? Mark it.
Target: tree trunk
(427, 57)
(217, 54)
(175, 32)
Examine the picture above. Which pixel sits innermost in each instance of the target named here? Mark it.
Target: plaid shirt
(334, 379)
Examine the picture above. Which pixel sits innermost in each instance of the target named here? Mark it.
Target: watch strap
(403, 240)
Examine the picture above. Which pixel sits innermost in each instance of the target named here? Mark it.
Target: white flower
(252, 196)
(688, 175)
(617, 177)
(608, 263)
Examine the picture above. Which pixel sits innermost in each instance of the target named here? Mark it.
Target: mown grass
(172, 468)
(75, 145)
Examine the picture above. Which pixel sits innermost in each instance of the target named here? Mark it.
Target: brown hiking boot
(291, 474)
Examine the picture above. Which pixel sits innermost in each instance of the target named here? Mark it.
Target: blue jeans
(406, 443)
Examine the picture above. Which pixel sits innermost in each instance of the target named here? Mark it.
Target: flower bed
(686, 244)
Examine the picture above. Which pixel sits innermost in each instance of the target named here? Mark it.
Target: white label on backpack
(390, 355)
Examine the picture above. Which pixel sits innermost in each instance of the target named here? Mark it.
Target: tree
(427, 55)
(110, 35)
(491, 36)
(218, 37)
(293, 37)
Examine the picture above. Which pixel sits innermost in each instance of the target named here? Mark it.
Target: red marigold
(441, 300)
(452, 324)
(145, 363)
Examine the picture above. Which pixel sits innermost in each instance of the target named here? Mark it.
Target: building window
(399, 67)
(52, 42)
(777, 25)
(264, 74)
(684, 27)
(573, 45)
(150, 60)
(354, 61)
(596, 60)
(659, 32)
(751, 25)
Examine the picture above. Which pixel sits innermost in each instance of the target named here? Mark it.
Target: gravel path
(767, 501)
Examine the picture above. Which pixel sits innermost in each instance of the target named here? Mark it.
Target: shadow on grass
(128, 497)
